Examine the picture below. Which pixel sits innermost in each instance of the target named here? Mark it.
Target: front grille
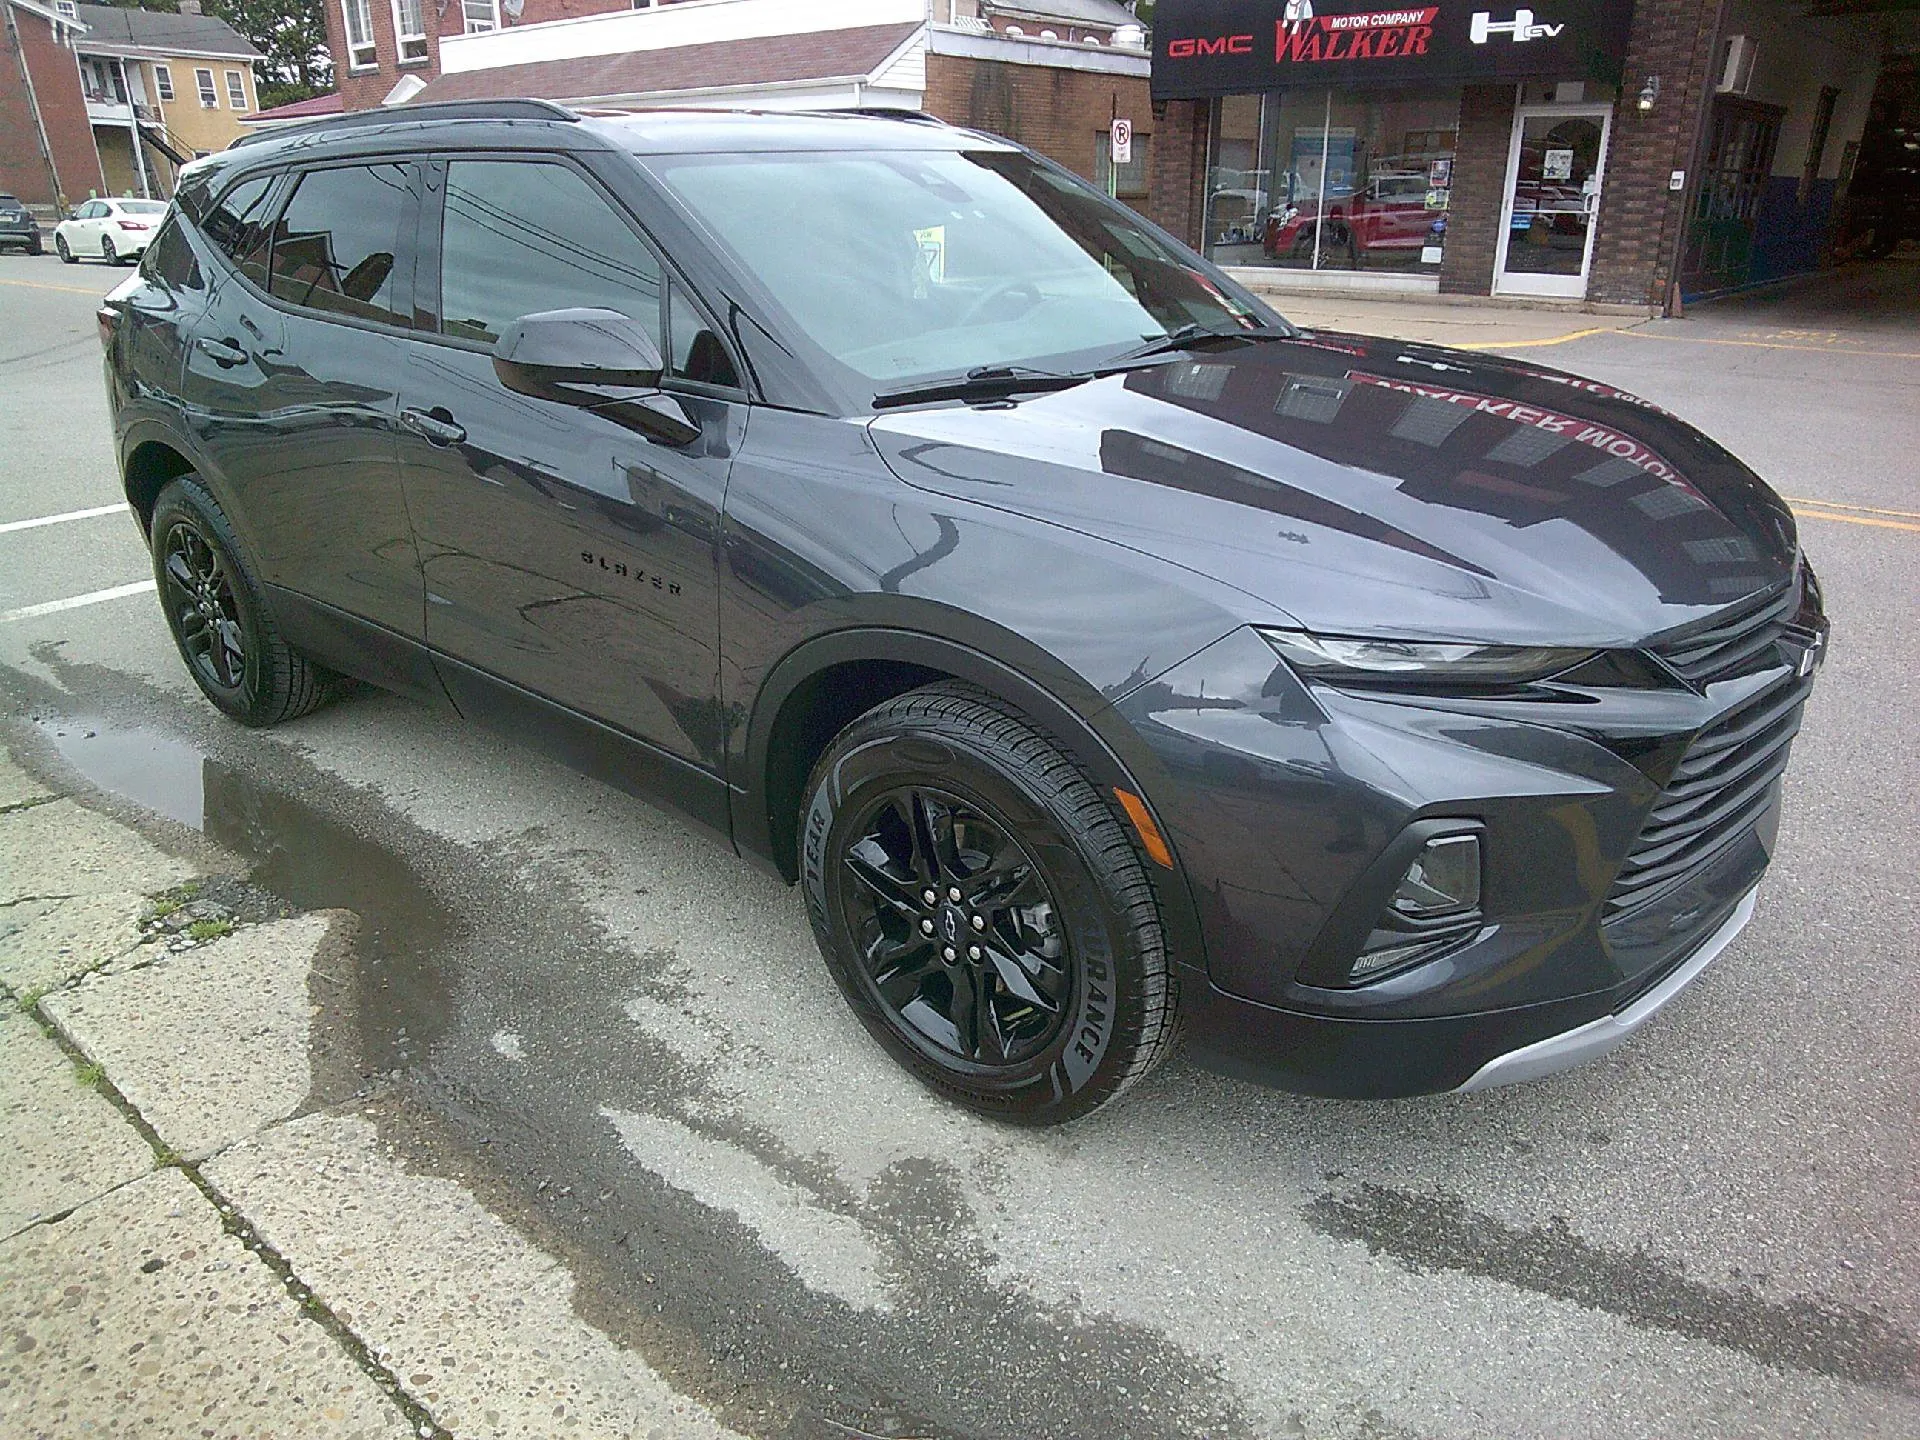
(1723, 784)
(1738, 641)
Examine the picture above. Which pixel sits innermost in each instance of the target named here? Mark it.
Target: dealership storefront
(1348, 144)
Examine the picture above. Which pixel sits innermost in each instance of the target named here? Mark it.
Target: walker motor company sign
(1225, 47)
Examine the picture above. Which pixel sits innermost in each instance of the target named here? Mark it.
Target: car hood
(1367, 486)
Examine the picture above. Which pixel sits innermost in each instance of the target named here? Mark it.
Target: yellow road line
(1855, 520)
(1771, 345)
(69, 289)
(1836, 505)
(1535, 344)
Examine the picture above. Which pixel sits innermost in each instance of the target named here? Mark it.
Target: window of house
(334, 246)
(358, 15)
(1332, 180)
(410, 29)
(209, 97)
(1133, 174)
(163, 82)
(525, 236)
(236, 90)
(481, 15)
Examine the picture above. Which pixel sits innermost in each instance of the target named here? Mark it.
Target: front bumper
(1599, 1037)
(1282, 803)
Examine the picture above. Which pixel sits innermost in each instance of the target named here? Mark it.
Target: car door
(83, 231)
(290, 396)
(566, 553)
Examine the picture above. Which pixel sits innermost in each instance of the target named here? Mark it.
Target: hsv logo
(1521, 28)
(1303, 37)
(1190, 46)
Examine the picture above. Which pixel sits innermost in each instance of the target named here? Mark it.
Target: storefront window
(1332, 180)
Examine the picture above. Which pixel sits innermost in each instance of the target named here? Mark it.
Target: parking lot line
(70, 289)
(8, 527)
(1805, 513)
(1534, 344)
(76, 602)
(1856, 509)
(1771, 345)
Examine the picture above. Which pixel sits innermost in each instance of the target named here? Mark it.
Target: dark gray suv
(1099, 652)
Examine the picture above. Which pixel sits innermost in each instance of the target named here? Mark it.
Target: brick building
(1600, 151)
(1050, 73)
(100, 100)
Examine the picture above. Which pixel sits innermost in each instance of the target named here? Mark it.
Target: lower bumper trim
(1597, 1037)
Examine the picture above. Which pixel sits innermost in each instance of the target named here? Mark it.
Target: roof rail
(417, 114)
(880, 112)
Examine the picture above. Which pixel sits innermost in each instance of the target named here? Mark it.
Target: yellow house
(160, 89)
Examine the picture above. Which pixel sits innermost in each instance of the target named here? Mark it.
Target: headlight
(1362, 660)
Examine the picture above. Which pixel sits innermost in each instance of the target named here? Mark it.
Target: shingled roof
(119, 28)
(766, 60)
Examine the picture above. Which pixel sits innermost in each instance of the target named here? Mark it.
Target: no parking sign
(1123, 142)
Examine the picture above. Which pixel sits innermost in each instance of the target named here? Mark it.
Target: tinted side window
(334, 247)
(238, 226)
(525, 236)
(697, 351)
(170, 259)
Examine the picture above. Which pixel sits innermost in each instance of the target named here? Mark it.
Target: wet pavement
(621, 1041)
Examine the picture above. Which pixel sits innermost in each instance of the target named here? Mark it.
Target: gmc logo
(1214, 45)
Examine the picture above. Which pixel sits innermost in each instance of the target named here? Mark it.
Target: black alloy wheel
(957, 929)
(214, 608)
(201, 604)
(983, 909)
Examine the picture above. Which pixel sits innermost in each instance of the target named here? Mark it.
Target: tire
(221, 625)
(1070, 1000)
(67, 257)
(34, 246)
(107, 252)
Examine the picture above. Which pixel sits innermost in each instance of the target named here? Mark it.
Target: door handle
(224, 353)
(437, 425)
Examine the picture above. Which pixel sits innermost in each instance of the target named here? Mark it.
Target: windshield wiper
(983, 382)
(1191, 336)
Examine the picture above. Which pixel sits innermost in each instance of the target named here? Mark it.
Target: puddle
(306, 858)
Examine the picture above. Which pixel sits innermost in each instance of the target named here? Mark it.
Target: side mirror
(557, 348)
(598, 360)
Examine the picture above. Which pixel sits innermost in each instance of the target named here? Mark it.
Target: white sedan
(115, 230)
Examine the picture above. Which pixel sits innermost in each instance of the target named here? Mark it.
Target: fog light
(1444, 879)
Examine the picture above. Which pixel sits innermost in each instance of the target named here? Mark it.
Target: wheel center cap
(952, 923)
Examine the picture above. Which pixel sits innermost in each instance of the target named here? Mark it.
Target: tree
(292, 34)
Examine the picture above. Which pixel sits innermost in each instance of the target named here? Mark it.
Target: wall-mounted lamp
(1649, 93)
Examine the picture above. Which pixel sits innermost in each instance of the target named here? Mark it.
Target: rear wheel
(983, 910)
(34, 247)
(67, 257)
(219, 621)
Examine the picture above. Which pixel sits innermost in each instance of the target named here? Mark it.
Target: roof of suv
(643, 132)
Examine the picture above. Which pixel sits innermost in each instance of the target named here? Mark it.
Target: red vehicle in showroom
(1389, 215)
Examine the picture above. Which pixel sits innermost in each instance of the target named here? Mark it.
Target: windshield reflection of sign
(1558, 165)
(932, 243)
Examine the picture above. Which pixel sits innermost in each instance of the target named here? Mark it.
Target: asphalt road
(624, 1039)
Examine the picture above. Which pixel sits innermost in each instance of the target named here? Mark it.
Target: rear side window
(238, 226)
(334, 246)
(521, 236)
(170, 260)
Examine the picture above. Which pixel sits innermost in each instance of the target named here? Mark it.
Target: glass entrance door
(1553, 196)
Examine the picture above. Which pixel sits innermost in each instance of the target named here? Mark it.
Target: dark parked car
(17, 226)
(1098, 652)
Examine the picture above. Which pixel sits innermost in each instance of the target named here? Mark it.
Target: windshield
(143, 207)
(906, 266)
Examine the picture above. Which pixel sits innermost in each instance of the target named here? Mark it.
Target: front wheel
(67, 257)
(221, 625)
(107, 252)
(983, 910)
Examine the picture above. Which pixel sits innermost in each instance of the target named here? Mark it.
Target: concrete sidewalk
(193, 1241)
(1469, 323)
